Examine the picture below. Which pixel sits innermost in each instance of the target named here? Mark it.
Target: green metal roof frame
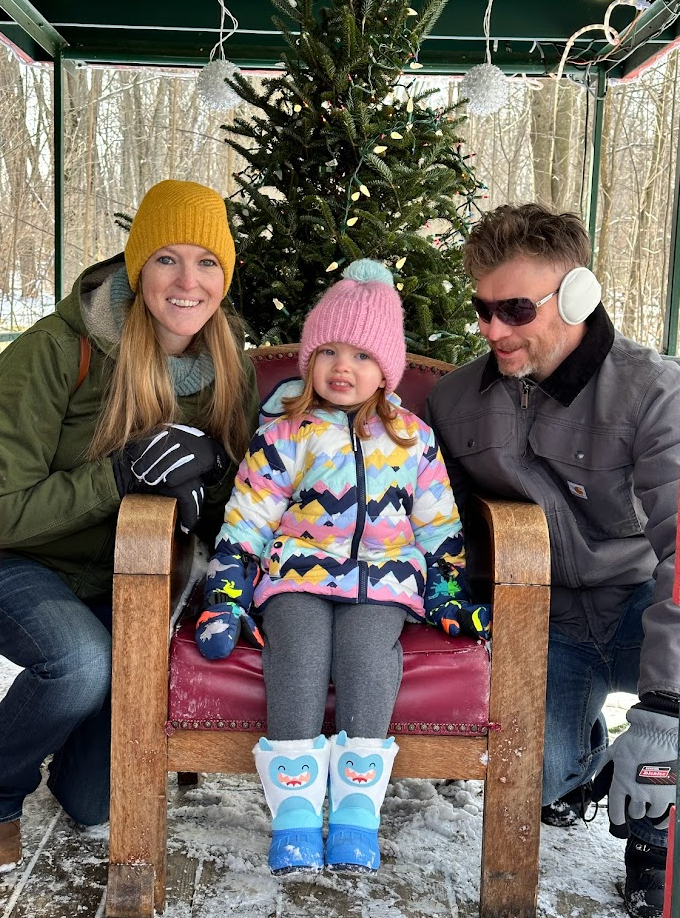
(526, 37)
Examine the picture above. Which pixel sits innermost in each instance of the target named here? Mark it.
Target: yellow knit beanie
(175, 212)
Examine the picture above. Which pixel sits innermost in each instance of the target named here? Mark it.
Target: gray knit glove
(643, 764)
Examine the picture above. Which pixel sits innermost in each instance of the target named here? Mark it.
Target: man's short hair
(525, 230)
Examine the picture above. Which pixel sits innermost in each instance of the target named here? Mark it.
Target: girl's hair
(308, 400)
(141, 396)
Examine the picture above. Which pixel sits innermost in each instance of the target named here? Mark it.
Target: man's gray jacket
(597, 446)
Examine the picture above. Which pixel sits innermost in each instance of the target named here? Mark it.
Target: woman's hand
(169, 457)
(177, 461)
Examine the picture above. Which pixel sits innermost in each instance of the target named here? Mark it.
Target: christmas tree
(349, 160)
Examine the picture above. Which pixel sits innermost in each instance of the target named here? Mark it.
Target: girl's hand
(218, 630)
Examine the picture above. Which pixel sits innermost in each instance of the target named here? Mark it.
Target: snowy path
(218, 838)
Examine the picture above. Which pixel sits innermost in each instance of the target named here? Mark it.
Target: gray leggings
(310, 640)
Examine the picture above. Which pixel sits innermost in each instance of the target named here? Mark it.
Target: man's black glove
(170, 457)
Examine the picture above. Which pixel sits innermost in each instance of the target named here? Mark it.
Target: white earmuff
(579, 294)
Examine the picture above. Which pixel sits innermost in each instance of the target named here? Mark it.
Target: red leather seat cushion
(444, 690)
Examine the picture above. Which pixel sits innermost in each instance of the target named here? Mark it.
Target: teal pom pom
(364, 270)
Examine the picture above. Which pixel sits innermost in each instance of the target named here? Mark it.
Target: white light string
(224, 35)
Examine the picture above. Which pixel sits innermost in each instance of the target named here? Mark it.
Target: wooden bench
(457, 715)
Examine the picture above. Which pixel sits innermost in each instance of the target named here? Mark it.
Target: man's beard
(540, 366)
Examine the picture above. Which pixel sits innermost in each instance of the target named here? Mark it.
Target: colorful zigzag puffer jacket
(327, 513)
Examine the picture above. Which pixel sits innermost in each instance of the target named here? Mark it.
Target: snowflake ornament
(212, 90)
(486, 88)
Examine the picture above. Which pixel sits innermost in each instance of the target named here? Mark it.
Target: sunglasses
(518, 310)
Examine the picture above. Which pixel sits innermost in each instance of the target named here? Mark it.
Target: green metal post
(58, 109)
(670, 342)
(596, 158)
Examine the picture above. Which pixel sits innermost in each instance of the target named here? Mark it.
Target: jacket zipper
(361, 509)
(526, 390)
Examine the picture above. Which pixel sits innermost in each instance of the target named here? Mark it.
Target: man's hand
(218, 630)
(641, 765)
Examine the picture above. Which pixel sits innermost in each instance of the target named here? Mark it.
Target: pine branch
(427, 19)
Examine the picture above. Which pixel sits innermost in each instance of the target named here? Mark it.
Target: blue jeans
(60, 702)
(580, 676)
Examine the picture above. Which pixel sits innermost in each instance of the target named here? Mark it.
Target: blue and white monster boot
(294, 774)
(360, 770)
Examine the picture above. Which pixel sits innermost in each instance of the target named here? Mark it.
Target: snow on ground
(430, 838)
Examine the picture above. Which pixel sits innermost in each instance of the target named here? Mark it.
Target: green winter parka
(56, 507)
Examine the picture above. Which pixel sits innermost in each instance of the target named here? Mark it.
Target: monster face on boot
(294, 775)
(360, 770)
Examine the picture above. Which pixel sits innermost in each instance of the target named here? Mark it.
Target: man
(569, 414)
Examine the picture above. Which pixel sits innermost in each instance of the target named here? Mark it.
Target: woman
(166, 404)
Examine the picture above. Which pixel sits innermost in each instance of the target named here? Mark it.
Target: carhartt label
(577, 490)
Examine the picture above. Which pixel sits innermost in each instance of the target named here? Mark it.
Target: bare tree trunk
(635, 300)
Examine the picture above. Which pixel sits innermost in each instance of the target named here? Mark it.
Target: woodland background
(127, 128)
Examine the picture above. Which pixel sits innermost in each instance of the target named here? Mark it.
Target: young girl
(341, 526)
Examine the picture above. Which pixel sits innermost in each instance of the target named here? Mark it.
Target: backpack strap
(84, 360)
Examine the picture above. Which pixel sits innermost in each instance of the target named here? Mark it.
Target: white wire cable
(224, 34)
(611, 35)
(486, 22)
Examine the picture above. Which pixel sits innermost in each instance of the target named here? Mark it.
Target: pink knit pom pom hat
(363, 310)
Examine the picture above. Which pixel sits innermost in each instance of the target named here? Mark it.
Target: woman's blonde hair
(308, 400)
(141, 396)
